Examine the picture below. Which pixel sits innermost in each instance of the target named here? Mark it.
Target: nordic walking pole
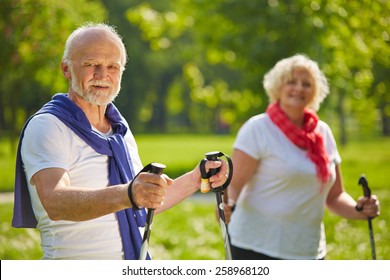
(367, 193)
(156, 168)
(205, 187)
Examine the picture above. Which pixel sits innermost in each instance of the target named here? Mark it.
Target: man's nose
(100, 72)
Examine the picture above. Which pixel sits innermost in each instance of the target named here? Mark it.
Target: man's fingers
(211, 164)
(149, 190)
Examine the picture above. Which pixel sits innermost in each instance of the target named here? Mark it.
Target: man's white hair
(69, 45)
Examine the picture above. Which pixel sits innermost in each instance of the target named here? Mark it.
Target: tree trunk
(385, 119)
(341, 113)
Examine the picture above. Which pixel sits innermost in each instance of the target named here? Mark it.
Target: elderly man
(78, 160)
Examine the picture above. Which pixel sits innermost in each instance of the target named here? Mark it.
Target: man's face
(95, 70)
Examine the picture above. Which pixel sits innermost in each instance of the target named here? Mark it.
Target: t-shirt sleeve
(330, 144)
(44, 145)
(250, 139)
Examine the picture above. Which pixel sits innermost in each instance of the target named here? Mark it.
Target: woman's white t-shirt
(49, 143)
(279, 212)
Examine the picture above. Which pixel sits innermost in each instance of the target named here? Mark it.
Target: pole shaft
(367, 193)
(372, 242)
(222, 222)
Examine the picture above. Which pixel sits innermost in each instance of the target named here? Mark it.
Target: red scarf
(305, 138)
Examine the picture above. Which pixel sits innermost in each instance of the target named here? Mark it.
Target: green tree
(225, 47)
(33, 33)
(198, 65)
(356, 48)
(139, 83)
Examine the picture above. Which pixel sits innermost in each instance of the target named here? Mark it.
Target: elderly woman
(287, 169)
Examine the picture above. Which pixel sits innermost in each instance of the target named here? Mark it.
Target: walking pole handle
(363, 182)
(213, 156)
(205, 184)
(156, 168)
(219, 191)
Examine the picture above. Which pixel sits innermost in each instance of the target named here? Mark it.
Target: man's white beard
(100, 98)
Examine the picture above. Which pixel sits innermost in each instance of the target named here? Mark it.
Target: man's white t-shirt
(279, 212)
(49, 143)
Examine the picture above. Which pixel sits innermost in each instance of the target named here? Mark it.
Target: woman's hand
(368, 206)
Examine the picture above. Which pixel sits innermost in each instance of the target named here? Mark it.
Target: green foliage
(241, 40)
(33, 33)
(190, 230)
(197, 66)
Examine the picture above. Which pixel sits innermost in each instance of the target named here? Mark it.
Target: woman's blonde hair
(282, 72)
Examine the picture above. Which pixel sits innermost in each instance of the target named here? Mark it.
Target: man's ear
(65, 69)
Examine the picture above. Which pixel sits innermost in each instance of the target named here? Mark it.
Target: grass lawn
(190, 230)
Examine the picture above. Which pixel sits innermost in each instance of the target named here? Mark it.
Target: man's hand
(149, 190)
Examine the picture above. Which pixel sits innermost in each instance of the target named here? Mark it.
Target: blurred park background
(194, 76)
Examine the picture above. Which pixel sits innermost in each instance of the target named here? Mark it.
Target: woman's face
(297, 92)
